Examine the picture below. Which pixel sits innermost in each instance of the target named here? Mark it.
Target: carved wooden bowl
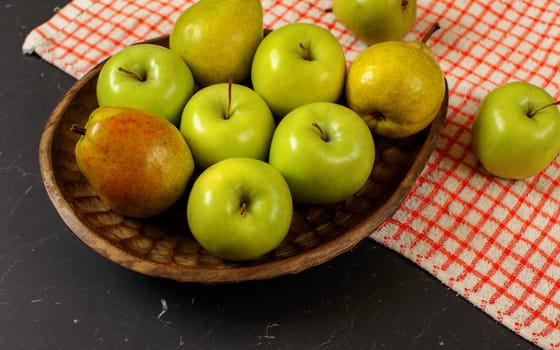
(163, 246)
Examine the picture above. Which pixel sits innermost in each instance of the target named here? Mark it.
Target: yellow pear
(376, 21)
(218, 38)
(396, 87)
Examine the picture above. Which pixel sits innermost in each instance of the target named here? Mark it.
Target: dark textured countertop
(55, 293)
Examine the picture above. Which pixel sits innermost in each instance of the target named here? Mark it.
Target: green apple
(516, 132)
(148, 77)
(225, 121)
(325, 151)
(239, 209)
(296, 64)
(376, 21)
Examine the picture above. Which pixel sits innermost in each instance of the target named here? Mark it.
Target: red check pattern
(495, 242)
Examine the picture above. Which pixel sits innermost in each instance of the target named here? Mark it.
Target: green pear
(396, 87)
(376, 21)
(218, 38)
(137, 162)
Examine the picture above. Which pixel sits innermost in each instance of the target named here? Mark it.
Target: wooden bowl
(163, 246)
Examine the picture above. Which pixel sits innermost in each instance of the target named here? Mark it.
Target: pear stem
(243, 211)
(78, 129)
(324, 135)
(140, 77)
(537, 110)
(435, 27)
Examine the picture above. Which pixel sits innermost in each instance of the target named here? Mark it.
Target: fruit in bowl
(227, 120)
(239, 209)
(163, 246)
(147, 77)
(397, 87)
(324, 150)
(296, 64)
(218, 38)
(137, 162)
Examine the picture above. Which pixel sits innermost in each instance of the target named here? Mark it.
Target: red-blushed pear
(239, 209)
(137, 162)
(516, 132)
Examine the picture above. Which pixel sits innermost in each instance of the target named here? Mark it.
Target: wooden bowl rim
(290, 265)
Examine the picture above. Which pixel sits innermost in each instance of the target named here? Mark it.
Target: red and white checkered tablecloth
(495, 242)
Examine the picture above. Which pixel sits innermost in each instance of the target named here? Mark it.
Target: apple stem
(243, 209)
(230, 84)
(324, 135)
(532, 113)
(140, 77)
(306, 53)
(435, 27)
(78, 129)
